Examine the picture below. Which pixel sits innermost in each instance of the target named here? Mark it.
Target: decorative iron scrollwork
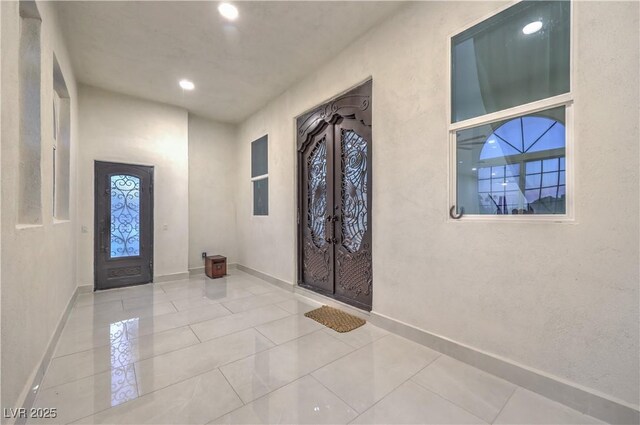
(125, 216)
(316, 263)
(124, 271)
(317, 193)
(354, 190)
(354, 271)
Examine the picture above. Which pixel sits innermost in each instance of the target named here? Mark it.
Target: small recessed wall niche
(29, 178)
(61, 143)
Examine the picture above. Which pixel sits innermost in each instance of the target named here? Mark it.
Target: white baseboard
(577, 397)
(580, 398)
(272, 280)
(170, 277)
(85, 289)
(28, 396)
(196, 271)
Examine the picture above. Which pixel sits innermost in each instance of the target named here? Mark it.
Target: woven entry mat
(335, 319)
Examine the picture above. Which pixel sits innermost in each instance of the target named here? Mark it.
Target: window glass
(515, 57)
(514, 166)
(260, 157)
(125, 216)
(261, 197)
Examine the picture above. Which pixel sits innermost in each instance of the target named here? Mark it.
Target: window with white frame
(260, 175)
(511, 110)
(61, 152)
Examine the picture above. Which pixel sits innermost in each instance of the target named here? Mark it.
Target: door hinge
(298, 219)
(150, 264)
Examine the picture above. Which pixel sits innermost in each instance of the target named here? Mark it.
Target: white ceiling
(144, 48)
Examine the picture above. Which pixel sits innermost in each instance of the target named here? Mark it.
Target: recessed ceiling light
(187, 85)
(532, 27)
(228, 10)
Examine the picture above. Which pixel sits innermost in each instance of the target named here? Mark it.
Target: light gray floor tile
(166, 369)
(87, 396)
(304, 401)
(99, 297)
(359, 337)
(412, 404)
(194, 401)
(86, 363)
(150, 325)
(526, 407)
(297, 306)
(90, 310)
(288, 328)
(149, 310)
(256, 301)
(255, 376)
(260, 289)
(175, 378)
(73, 341)
(480, 393)
(232, 323)
(371, 372)
(204, 300)
(145, 301)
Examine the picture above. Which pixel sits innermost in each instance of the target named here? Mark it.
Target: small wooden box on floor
(215, 266)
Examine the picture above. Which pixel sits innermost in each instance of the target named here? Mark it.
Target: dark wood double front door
(334, 210)
(123, 246)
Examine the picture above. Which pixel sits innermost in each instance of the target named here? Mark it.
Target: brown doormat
(335, 319)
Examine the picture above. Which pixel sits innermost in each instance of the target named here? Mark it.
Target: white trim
(253, 207)
(170, 277)
(516, 111)
(565, 99)
(29, 393)
(259, 178)
(262, 177)
(571, 394)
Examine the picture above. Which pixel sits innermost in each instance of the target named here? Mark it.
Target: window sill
(539, 219)
(28, 226)
(61, 221)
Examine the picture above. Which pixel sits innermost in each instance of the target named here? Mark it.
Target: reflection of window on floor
(124, 351)
(534, 144)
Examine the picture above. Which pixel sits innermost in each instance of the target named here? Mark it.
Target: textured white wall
(212, 214)
(560, 298)
(38, 262)
(119, 128)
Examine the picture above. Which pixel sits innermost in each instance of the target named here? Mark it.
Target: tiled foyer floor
(239, 350)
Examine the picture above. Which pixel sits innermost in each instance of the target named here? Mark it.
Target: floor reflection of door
(334, 208)
(123, 246)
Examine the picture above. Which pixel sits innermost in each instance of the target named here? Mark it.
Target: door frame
(350, 104)
(96, 231)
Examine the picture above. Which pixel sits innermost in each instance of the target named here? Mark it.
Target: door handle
(103, 248)
(329, 220)
(452, 213)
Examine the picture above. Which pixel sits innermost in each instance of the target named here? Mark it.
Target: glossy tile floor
(239, 350)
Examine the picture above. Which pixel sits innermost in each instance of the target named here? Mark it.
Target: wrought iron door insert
(123, 245)
(334, 208)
